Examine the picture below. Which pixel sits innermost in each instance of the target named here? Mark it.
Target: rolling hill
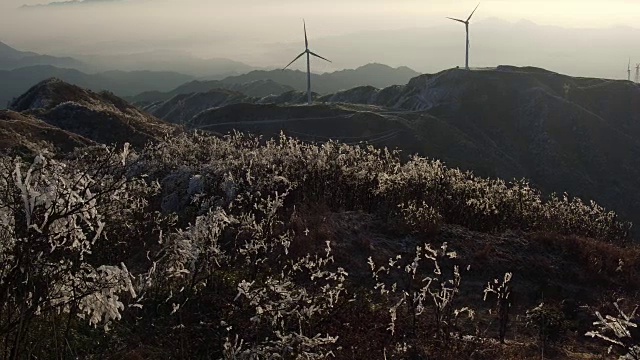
(99, 117)
(258, 88)
(566, 134)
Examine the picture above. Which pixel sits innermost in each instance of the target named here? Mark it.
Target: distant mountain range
(19, 70)
(376, 75)
(155, 86)
(11, 58)
(15, 82)
(159, 61)
(263, 83)
(175, 61)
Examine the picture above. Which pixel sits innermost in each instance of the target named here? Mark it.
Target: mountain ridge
(566, 134)
(100, 117)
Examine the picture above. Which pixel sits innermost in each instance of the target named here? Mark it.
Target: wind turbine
(309, 53)
(629, 70)
(466, 25)
(637, 73)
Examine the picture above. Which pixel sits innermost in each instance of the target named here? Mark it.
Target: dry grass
(618, 264)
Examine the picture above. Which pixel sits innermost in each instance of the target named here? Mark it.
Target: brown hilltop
(101, 117)
(23, 135)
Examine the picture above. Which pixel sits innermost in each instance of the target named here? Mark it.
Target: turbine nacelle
(458, 20)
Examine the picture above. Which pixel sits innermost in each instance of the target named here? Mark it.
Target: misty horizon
(404, 35)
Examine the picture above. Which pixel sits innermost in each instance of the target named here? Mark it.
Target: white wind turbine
(466, 25)
(629, 70)
(309, 53)
(637, 73)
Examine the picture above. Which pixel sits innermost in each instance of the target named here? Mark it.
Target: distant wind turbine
(629, 70)
(638, 73)
(309, 53)
(466, 25)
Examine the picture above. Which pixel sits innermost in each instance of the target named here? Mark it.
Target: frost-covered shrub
(548, 321)
(502, 292)
(375, 180)
(55, 217)
(418, 285)
(237, 258)
(416, 218)
(196, 242)
(619, 331)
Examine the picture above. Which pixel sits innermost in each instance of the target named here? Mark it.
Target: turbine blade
(318, 56)
(294, 60)
(458, 20)
(474, 10)
(306, 41)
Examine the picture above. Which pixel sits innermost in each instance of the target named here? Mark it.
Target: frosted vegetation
(197, 246)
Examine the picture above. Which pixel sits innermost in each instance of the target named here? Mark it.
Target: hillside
(100, 117)
(181, 108)
(566, 134)
(25, 135)
(257, 89)
(307, 245)
(235, 247)
(578, 135)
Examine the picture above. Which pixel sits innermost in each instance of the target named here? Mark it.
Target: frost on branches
(197, 243)
(53, 216)
(421, 283)
(619, 331)
(243, 244)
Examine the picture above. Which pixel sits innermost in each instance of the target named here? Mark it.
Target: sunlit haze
(352, 32)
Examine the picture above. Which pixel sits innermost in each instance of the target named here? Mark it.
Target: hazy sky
(250, 30)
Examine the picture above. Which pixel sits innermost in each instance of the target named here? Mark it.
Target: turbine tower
(638, 73)
(309, 53)
(629, 70)
(466, 25)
